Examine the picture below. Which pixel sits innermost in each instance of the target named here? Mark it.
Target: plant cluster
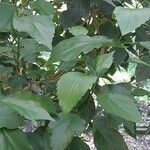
(57, 62)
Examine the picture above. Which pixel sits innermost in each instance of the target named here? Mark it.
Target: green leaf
(35, 72)
(89, 62)
(13, 140)
(120, 55)
(134, 59)
(41, 28)
(7, 12)
(42, 101)
(71, 87)
(142, 33)
(130, 19)
(78, 30)
(103, 63)
(30, 49)
(77, 144)
(105, 137)
(76, 9)
(40, 139)
(71, 48)
(130, 128)
(64, 131)
(146, 44)
(86, 107)
(117, 100)
(9, 118)
(5, 70)
(67, 65)
(109, 139)
(43, 7)
(18, 82)
(28, 108)
(143, 71)
(106, 121)
(110, 30)
(140, 92)
(4, 50)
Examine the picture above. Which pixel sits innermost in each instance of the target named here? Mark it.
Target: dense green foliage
(57, 62)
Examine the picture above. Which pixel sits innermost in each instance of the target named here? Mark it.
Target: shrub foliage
(58, 66)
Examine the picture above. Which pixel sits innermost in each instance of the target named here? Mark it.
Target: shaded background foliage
(58, 66)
